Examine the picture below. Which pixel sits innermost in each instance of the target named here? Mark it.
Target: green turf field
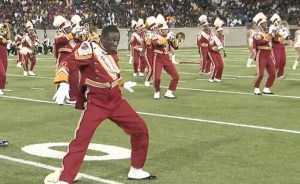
(213, 133)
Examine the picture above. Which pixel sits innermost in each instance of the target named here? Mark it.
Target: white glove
(272, 29)
(128, 85)
(61, 93)
(140, 49)
(170, 35)
(76, 30)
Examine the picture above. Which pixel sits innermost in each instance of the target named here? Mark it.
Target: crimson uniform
(137, 44)
(264, 60)
(3, 62)
(278, 45)
(162, 61)
(149, 54)
(18, 41)
(99, 91)
(215, 57)
(29, 41)
(64, 45)
(202, 43)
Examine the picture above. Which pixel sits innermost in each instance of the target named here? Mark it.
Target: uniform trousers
(104, 104)
(25, 62)
(280, 58)
(139, 63)
(149, 54)
(264, 61)
(162, 61)
(3, 66)
(205, 61)
(218, 65)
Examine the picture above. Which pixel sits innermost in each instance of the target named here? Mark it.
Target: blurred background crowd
(179, 13)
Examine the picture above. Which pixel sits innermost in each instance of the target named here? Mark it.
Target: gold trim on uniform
(264, 48)
(64, 50)
(100, 84)
(77, 56)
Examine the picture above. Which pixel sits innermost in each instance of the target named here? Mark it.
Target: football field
(213, 133)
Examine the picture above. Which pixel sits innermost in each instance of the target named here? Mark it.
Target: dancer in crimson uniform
(137, 46)
(3, 59)
(65, 43)
(264, 59)
(28, 49)
(216, 44)
(101, 99)
(162, 42)
(202, 43)
(18, 42)
(149, 54)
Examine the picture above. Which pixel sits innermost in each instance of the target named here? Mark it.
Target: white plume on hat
(218, 24)
(133, 24)
(161, 22)
(275, 17)
(76, 19)
(140, 23)
(29, 25)
(259, 18)
(150, 22)
(203, 20)
(61, 22)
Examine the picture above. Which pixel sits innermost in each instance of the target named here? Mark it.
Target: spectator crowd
(179, 13)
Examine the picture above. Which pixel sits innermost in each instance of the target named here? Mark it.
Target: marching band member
(30, 43)
(161, 60)
(3, 56)
(151, 27)
(63, 41)
(297, 46)
(130, 32)
(215, 45)
(18, 42)
(74, 72)
(100, 98)
(278, 44)
(252, 30)
(137, 45)
(203, 42)
(262, 44)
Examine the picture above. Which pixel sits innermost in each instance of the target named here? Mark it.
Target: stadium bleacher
(179, 13)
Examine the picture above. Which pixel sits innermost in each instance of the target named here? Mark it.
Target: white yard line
(37, 77)
(35, 67)
(41, 89)
(232, 92)
(182, 118)
(203, 90)
(48, 167)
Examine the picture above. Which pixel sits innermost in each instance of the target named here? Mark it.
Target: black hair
(109, 29)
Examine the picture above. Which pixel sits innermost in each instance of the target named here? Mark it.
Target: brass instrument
(91, 33)
(284, 24)
(4, 30)
(180, 37)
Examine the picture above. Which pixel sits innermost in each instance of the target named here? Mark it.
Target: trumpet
(4, 30)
